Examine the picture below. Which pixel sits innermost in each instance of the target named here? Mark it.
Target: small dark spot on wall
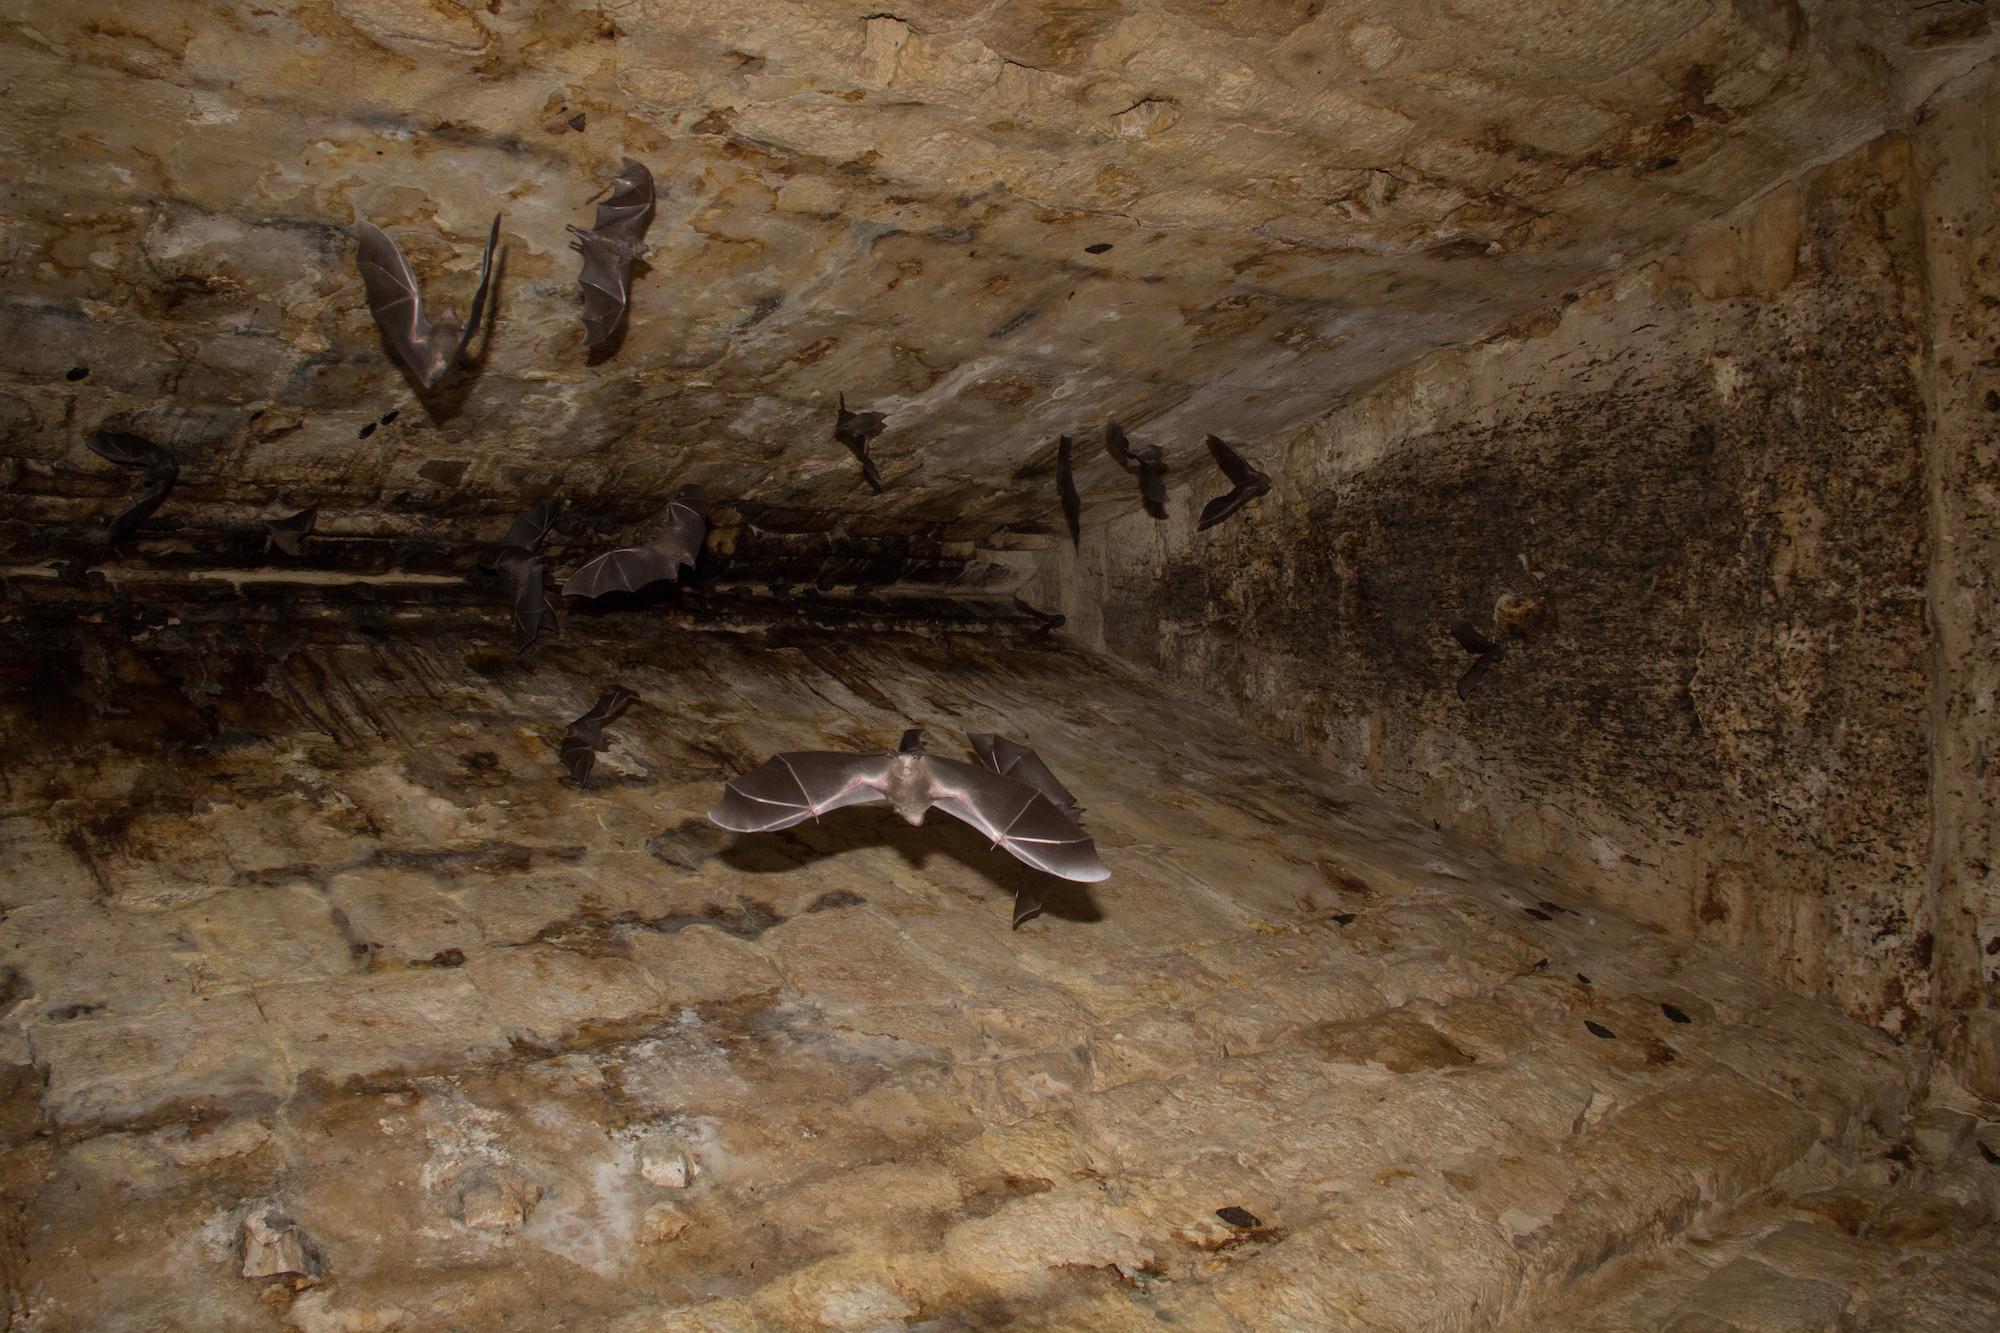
(1673, 1012)
(1538, 914)
(443, 958)
(365, 431)
(1599, 1030)
(78, 372)
(69, 1011)
(1585, 980)
(1993, 946)
(390, 416)
(827, 902)
(1992, 397)
(1097, 249)
(443, 471)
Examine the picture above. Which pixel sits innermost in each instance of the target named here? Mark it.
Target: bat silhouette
(789, 789)
(1051, 621)
(1072, 503)
(1486, 652)
(1152, 465)
(1248, 481)
(633, 567)
(583, 738)
(429, 349)
(289, 534)
(609, 250)
(517, 559)
(157, 479)
(855, 429)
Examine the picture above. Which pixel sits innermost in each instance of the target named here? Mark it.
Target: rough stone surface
(994, 221)
(1713, 469)
(1286, 1000)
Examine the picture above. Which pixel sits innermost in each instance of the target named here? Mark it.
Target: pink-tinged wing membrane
(1019, 762)
(394, 298)
(789, 789)
(1019, 819)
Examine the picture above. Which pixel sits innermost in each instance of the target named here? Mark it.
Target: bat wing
(395, 299)
(1469, 638)
(578, 753)
(1475, 673)
(1234, 466)
(789, 789)
(530, 527)
(629, 569)
(289, 534)
(478, 299)
(1221, 507)
(115, 446)
(1028, 900)
(868, 468)
(1072, 503)
(605, 282)
(159, 482)
(533, 612)
(1115, 441)
(1019, 762)
(607, 709)
(1153, 489)
(623, 216)
(1016, 817)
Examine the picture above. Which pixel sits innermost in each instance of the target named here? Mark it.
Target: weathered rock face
(1719, 472)
(993, 221)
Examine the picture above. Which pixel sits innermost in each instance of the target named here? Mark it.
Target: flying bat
(1013, 760)
(289, 534)
(609, 250)
(429, 349)
(157, 479)
(855, 429)
(1072, 503)
(1486, 653)
(517, 559)
(1152, 465)
(1248, 481)
(789, 789)
(583, 738)
(1051, 621)
(633, 567)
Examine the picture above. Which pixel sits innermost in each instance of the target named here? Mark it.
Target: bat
(1249, 483)
(633, 567)
(1012, 760)
(583, 738)
(289, 534)
(1152, 465)
(855, 429)
(610, 249)
(517, 559)
(157, 479)
(429, 349)
(1486, 652)
(1051, 621)
(789, 789)
(1072, 503)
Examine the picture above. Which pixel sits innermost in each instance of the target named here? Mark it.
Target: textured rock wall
(1712, 469)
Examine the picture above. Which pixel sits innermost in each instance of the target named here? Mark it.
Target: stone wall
(1712, 467)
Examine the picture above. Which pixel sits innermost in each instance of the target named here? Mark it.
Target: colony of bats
(1009, 794)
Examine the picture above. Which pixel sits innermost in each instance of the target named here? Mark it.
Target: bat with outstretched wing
(516, 558)
(157, 479)
(1010, 759)
(791, 788)
(1151, 463)
(1248, 482)
(610, 248)
(429, 348)
(1486, 652)
(583, 738)
(1072, 503)
(633, 567)
(855, 429)
(289, 534)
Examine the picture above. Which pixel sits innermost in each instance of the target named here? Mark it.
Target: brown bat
(1072, 503)
(1152, 465)
(609, 250)
(583, 738)
(855, 429)
(633, 567)
(517, 559)
(289, 534)
(1486, 652)
(1248, 481)
(429, 349)
(1051, 621)
(158, 478)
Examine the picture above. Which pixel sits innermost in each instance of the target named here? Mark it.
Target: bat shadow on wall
(939, 837)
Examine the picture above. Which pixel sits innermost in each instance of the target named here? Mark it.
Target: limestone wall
(1716, 468)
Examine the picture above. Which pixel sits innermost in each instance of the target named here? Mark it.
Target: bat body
(517, 560)
(789, 789)
(1248, 482)
(583, 738)
(429, 348)
(1152, 465)
(1012, 760)
(1051, 621)
(855, 429)
(633, 567)
(289, 534)
(609, 250)
(1486, 652)
(157, 479)
(1072, 503)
